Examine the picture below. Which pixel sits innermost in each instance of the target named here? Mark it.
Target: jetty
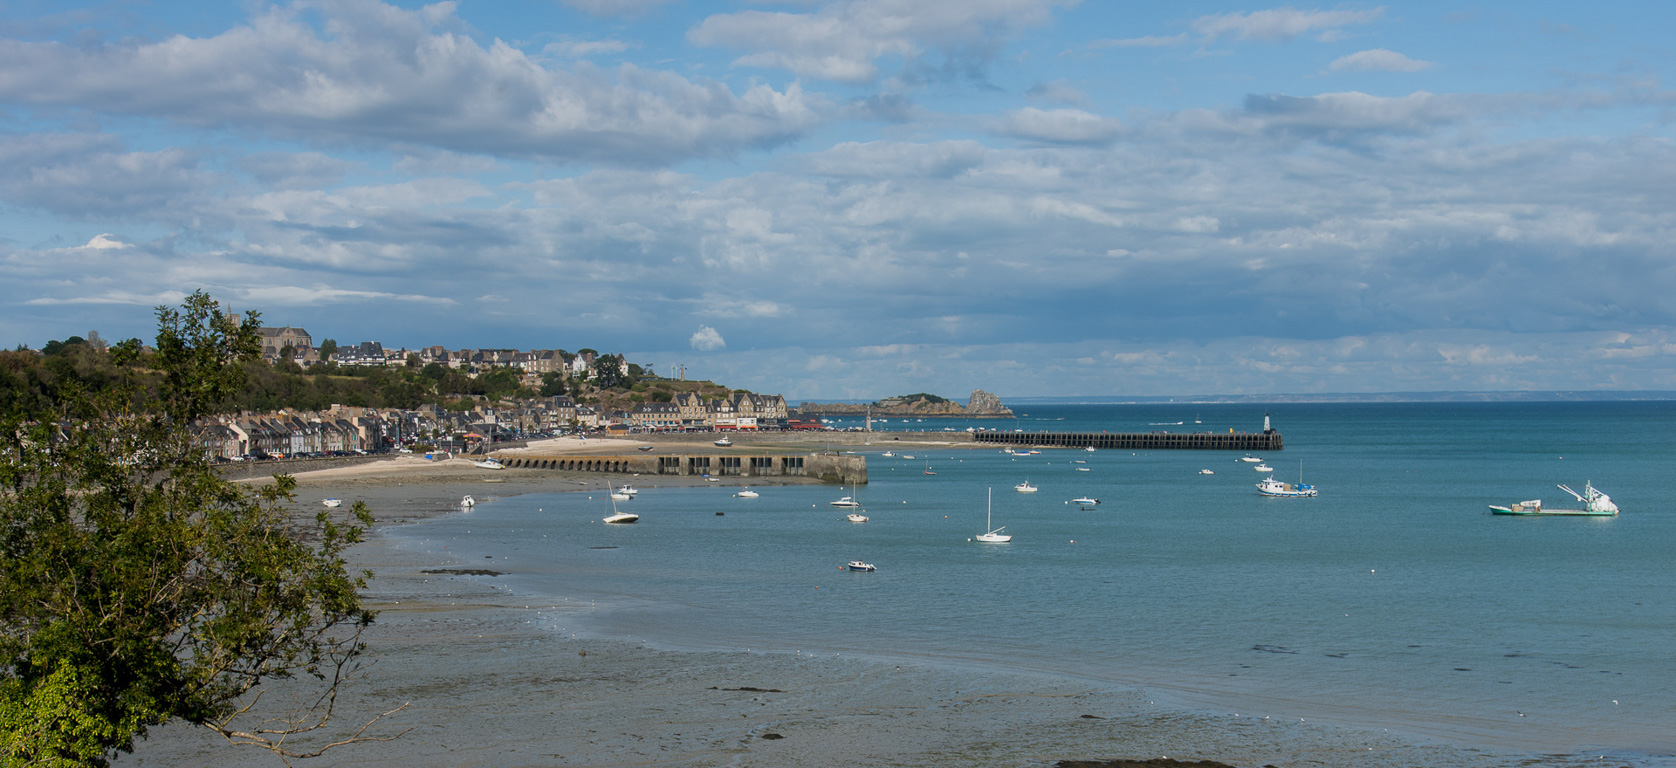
(1267, 440)
(830, 468)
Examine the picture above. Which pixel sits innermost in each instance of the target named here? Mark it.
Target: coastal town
(486, 422)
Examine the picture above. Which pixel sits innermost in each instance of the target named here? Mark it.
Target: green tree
(138, 587)
(328, 348)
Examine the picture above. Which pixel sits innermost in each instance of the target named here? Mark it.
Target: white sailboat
(619, 518)
(994, 535)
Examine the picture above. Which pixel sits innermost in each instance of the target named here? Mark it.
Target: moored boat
(1272, 487)
(856, 517)
(332, 502)
(489, 463)
(1025, 487)
(857, 565)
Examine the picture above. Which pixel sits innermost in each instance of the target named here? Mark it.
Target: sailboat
(995, 535)
(620, 518)
(928, 469)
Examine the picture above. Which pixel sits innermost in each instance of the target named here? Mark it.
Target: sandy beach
(492, 679)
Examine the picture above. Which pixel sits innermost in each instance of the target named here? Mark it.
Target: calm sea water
(1392, 600)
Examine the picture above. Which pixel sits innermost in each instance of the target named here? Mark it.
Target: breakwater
(831, 468)
(1194, 441)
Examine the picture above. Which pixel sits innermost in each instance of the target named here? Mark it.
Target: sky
(861, 198)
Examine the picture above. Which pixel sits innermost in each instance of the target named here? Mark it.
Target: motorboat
(857, 565)
(846, 501)
(1090, 449)
(1206, 472)
(1272, 487)
(1263, 468)
(489, 463)
(1251, 459)
(889, 454)
(907, 456)
(723, 443)
(1084, 469)
(468, 502)
(628, 489)
(992, 535)
(331, 502)
(746, 493)
(1595, 504)
(856, 517)
(618, 495)
(1087, 501)
(1025, 487)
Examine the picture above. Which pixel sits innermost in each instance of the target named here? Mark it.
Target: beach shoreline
(496, 678)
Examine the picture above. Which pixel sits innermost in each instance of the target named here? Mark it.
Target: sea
(1393, 600)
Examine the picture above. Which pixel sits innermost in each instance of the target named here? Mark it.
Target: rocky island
(922, 405)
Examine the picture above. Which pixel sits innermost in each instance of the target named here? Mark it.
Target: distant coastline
(1567, 396)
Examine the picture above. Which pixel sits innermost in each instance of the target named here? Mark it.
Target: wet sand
(492, 679)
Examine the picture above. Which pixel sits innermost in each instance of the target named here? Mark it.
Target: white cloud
(1149, 41)
(706, 339)
(105, 242)
(385, 74)
(1280, 24)
(1060, 126)
(844, 41)
(1377, 60)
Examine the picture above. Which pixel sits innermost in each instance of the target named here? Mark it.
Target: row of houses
(689, 412)
(279, 341)
(372, 430)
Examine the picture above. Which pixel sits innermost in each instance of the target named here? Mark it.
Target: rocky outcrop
(982, 405)
(986, 404)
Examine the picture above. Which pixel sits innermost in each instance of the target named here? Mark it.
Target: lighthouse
(1267, 430)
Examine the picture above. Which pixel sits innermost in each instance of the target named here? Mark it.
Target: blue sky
(860, 198)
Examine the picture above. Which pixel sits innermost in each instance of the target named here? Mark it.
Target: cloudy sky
(860, 198)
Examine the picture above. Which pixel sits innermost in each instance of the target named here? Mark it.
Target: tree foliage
(137, 586)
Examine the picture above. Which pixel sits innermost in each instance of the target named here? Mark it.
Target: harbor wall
(830, 468)
(1195, 441)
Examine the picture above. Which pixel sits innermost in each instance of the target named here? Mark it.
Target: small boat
(1084, 469)
(619, 518)
(992, 535)
(857, 565)
(1206, 472)
(617, 495)
(1087, 501)
(468, 502)
(723, 443)
(1090, 449)
(907, 456)
(928, 469)
(847, 502)
(489, 463)
(332, 502)
(746, 493)
(1025, 487)
(644, 447)
(856, 517)
(889, 454)
(1263, 468)
(628, 489)
(1272, 487)
(1595, 504)
(1251, 459)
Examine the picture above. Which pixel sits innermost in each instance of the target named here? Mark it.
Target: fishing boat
(489, 463)
(1263, 468)
(468, 502)
(857, 565)
(1595, 504)
(856, 517)
(331, 502)
(746, 493)
(992, 535)
(1025, 487)
(1272, 487)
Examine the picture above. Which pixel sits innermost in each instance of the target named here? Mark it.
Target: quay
(1192, 441)
(829, 468)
